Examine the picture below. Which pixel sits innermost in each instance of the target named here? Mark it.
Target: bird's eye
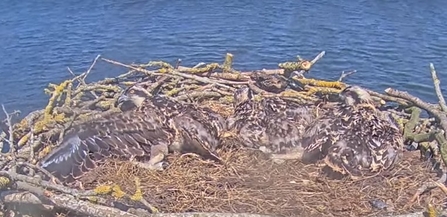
(132, 91)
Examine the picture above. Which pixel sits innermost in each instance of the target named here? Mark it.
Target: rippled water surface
(389, 43)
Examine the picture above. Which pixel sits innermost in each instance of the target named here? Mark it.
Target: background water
(389, 43)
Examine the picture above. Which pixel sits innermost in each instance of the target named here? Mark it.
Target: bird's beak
(121, 99)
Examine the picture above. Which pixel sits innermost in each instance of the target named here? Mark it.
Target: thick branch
(411, 124)
(421, 104)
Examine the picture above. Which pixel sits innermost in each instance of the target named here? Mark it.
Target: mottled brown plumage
(271, 83)
(273, 125)
(196, 129)
(353, 137)
(138, 133)
(148, 127)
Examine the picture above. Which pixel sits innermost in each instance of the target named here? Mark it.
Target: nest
(251, 183)
(247, 182)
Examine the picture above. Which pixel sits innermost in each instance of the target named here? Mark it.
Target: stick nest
(248, 182)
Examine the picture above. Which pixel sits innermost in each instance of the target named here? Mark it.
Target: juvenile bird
(353, 137)
(149, 127)
(195, 129)
(133, 134)
(272, 125)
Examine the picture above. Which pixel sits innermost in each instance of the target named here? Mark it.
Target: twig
(45, 184)
(81, 77)
(199, 65)
(440, 137)
(421, 104)
(27, 202)
(318, 57)
(31, 153)
(10, 141)
(346, 74)
(201, 79)
(90, 68)
(437, 87)
(400, 101)
(70, 203)
(44, 171)
(428, 186)
(74, 75)
(411, 124)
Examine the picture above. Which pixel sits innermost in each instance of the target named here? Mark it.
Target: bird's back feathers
(272, 123)
(124, 135)
(353, 140)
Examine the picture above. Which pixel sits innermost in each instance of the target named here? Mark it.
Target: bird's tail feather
(73, 158)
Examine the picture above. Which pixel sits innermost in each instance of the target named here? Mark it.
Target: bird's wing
(368, 145)
(319, 135)
(247, 123)
(200, 129)
(284, 133)
(122, 135)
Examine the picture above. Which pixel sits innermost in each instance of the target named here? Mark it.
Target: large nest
(251, 183)
(247, 182)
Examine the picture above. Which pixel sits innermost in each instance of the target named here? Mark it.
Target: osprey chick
(132, 134)
(354, 137)
(195, 129)
(272, 125)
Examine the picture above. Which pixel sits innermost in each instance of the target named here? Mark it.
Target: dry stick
(64, 200)
(45, 184)
(44, 171)
(72, 73)
(387, 98)
(427, 107)
(67, 202)
(81, 77)
(438, 91)
(85, 207)
(421, 104)
(90, 68)
(201, 79)
(10, 141)
(318, 57)
(346, 74)
(281, 71)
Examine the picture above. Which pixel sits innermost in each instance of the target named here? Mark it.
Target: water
(389, 43)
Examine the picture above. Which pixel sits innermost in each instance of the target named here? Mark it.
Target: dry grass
(252, 184)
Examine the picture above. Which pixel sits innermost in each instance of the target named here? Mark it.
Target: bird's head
(242, 95)
(133, 95)
(355, 95)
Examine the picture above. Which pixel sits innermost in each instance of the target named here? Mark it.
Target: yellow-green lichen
(138, 195)
(115, 190)
(4, 182)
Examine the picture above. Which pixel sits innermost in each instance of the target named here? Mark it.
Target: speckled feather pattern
(273, 123)
(353, 140)
(198, 127)
(270, 83)
(132, 134)
(124, 135)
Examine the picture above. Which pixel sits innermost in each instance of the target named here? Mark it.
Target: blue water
(389, 43)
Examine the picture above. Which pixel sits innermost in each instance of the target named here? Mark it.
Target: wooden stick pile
(76, 101)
